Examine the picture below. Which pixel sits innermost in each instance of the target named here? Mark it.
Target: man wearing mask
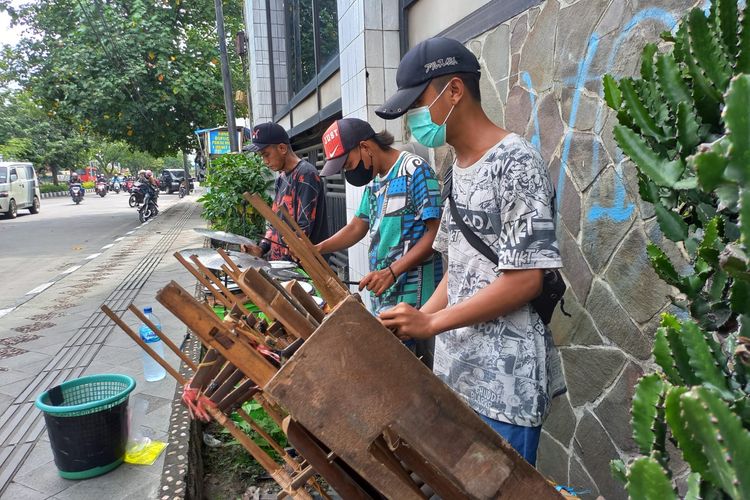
(298, 188)
(400, 209)
(492, 347)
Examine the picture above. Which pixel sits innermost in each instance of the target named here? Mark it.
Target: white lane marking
(130, 232)
(40, 288)
(3, 312)
(108, 246)
(120, 238)
(71, 269)
(93, 256)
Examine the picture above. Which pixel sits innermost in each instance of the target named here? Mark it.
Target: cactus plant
(685, 126)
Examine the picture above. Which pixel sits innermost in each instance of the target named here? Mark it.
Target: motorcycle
(136, 195)
(76, 192)
(149, 209)
(116, 187)
(101, 189)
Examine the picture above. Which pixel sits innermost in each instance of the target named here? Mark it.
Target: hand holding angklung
(254, 250)
(407, 322)
(377, 281)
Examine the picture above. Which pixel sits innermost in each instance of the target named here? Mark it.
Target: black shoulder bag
(553, 285)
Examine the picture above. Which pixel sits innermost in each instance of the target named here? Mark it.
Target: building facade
(542, 65)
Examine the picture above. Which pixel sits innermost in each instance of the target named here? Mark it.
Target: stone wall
(541, 77)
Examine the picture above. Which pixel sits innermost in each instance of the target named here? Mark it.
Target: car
(171, 178)
(19, 188)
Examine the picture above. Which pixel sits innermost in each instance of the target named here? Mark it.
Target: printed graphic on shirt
(301, 193)
(396, 209)
(507, 369)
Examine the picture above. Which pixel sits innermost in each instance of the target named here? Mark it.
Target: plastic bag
(141, 450)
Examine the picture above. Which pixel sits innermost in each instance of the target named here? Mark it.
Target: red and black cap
(266, 134)
(427, 60)
(340, 138)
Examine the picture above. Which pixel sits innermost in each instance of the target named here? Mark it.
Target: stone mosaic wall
(541, 78)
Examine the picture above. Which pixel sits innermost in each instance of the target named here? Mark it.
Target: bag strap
(474, 240)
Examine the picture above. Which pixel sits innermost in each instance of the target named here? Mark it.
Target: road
(38, 250)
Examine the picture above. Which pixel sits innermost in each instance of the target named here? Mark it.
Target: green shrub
(88, 185)
(685, 126)
(230, 176)
(52, 188)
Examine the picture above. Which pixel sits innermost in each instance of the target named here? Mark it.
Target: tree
(108, 154)
(143, 72)
(28, 133)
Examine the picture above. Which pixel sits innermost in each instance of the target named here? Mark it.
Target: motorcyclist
(100, 179)
(75, 181)
(148, 183)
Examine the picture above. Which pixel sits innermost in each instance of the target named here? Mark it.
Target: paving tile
(16, 387)
(40, 455)
(114, 485)
(45, 479)
(21, 361)
(16, 491)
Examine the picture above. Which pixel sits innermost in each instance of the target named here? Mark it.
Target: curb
(59, 194)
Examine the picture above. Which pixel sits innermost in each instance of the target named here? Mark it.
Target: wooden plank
(388, 387)
(228, 260)
(268, 298)
(240, 394)
(204, 323)
(276, 471)
(203, 280)
(215, 280)
(226, 386)
(440, 484)
(324, 463)
(304, 298)
(267, 437)
(289, 297)
(208, 368)
(327, 282)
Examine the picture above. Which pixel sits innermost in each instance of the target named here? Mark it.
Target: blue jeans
(525, 440)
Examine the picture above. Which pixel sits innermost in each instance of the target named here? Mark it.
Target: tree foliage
(28, 133)
(139, 71)
(231, 176)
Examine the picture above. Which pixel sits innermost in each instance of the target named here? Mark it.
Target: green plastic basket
(87, 423)
(87, 395)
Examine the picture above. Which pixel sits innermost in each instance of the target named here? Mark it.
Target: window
(300, 43)
(312, 39)
(328, 28)
(3, 175)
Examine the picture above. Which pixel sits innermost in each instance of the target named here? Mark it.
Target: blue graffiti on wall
(621, 209)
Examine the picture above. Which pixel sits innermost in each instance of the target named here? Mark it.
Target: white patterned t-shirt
(508, 368)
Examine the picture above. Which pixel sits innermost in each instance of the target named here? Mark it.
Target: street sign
(218, 142)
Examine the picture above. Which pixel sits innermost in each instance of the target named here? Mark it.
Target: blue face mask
(424, 130)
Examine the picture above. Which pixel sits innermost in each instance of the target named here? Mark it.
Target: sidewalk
(62, 334)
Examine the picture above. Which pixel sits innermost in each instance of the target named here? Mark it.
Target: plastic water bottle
(152, 371)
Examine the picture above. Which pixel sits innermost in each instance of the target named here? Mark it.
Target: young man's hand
(377, 281)
(253, 250)
(408, 323)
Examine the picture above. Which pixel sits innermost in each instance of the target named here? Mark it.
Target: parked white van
(19, 188)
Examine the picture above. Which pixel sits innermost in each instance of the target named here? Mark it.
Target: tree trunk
(186, 166)
(54, 170)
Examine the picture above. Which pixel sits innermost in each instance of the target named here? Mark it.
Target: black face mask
(360, 176)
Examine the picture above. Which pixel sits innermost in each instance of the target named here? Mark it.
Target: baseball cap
(427, 60)
(340, 138)
(266, 134)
